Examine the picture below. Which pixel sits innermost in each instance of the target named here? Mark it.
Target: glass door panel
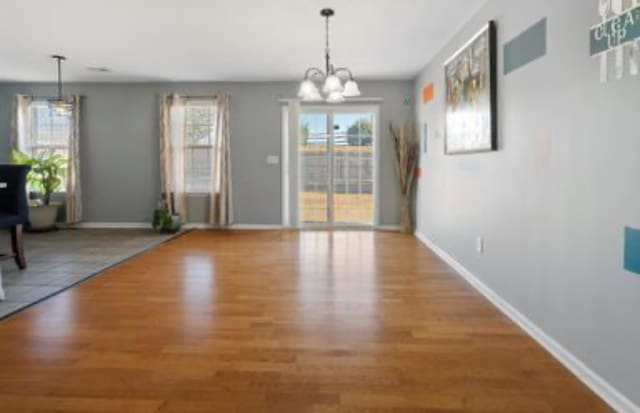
(353, 174)
(314, 167)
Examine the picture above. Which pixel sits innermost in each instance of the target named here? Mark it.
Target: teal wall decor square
(530, 45)
(632, 250)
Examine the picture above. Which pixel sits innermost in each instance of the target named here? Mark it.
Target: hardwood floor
(278, 322)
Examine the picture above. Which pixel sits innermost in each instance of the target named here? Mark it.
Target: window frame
(212, 147)
(34, 145)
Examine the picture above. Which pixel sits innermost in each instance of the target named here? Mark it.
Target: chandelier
(59, 105)
(333, 89)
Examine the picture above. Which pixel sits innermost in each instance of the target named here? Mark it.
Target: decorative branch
(407, 152)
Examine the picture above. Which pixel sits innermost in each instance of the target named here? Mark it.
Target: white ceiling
(224, 40)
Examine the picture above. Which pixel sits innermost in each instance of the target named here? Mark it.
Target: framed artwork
(471, 95)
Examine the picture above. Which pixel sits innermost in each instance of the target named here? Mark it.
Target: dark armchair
(14, 208)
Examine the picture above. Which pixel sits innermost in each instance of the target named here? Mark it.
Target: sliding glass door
(337, 166)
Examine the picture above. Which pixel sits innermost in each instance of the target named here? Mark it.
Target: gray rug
(58, 260)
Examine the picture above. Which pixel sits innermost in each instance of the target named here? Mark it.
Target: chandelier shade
(332, 84)
(335, 97)
(351, 89)
(331, 78)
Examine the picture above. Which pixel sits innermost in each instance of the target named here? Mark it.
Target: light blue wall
(553, 228)
(119, 147)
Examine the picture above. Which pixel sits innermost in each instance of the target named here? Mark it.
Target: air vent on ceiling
(98, 69)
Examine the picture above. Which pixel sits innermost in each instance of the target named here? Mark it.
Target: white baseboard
(239, 227)
(390, 228)
(194, 225)
(256, 227)
(275, 227)
(124, 225)
(596, 383)
(113, 225)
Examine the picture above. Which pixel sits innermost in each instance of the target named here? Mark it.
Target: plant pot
(173, 225)
(43, 218)
(164, 222)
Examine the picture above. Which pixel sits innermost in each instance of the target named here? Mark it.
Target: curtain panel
(74, 189)
(22, 139)
(20, 123)
(221, 206)
(172, 141)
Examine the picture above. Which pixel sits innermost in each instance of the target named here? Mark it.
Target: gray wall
(553, 231)
(119, 148)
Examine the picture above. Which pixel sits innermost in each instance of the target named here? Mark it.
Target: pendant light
(333, 89)
(60, 105)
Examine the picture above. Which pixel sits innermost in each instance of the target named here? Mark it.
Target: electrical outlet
(273, 160)
(480, 245)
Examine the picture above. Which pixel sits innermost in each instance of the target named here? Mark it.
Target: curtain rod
(351, 100)
(48, 97)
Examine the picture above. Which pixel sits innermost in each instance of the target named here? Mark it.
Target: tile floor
(57, 260)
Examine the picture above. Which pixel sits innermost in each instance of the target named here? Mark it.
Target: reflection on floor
(279, 321)
(59, 259)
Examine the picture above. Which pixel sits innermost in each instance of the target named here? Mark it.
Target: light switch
(273, 160)
(480, 245)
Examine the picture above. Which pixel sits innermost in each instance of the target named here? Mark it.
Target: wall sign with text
(616, 40)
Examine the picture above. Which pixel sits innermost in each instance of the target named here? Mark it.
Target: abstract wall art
(525, 48)
(632, 250)
(428, 93)
(425, 137)
(471, 95)
(615, 41)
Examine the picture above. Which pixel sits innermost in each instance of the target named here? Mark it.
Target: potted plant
(47, 171)
(163, 220)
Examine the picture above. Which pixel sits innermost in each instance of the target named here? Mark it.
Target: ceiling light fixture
(333, 89)
(99, 69)
(60, 105)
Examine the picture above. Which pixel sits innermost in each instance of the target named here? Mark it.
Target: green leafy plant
(47, 172)
(164, 221)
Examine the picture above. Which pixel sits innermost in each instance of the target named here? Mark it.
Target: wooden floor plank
(279, 321)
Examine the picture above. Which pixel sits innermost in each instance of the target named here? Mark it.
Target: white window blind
(199, 145)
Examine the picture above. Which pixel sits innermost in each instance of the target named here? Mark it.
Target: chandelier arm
(344, 69)
(314, 71)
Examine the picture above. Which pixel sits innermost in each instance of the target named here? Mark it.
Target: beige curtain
(172, 140)
(20, 123)
(74, 189)
(221, 210)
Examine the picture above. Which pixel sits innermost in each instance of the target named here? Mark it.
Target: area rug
(58, 260)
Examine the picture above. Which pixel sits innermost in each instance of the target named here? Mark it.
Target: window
(48, 131)
(199, 145)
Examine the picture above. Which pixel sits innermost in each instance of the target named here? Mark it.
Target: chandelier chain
(59, 77)
(326, 45)
(338, 82)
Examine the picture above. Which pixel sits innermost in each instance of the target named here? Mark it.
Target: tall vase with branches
(407, 151)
